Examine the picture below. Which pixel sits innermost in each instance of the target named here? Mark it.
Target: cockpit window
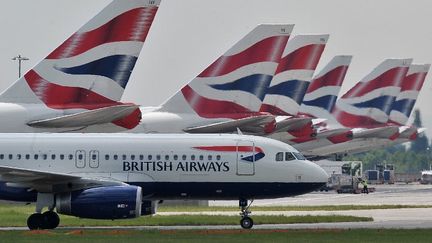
(289, 156)
(299, 156)
(280, 156)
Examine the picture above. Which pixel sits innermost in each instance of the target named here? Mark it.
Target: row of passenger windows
(107, 157)
(288, 156)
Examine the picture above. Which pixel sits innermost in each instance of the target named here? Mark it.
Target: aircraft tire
(246, 223)
(50, 220)
(35, 221)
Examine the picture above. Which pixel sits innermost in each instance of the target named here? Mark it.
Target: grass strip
(209, 236)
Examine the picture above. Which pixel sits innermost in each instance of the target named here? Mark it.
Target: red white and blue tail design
(368, 103)
(90, 69)
(406, 99)
(323, 91)
(294, 72)
(236, 82)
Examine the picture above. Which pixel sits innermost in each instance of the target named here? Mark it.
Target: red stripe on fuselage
(231, 148)
(124, 27)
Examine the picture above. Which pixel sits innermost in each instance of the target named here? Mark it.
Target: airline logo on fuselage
(181, 166)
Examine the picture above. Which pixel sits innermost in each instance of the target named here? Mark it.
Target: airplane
(81, 82)
(119, 175)
(365, 110)
(319, 101)
(228, 94)
(401, 111)
(289, 85)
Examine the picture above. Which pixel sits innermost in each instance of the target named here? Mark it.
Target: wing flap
(244, 124)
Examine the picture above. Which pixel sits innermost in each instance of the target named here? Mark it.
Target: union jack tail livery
(406, 99)
(323, 90)
(368, 103)
(294, 72)
(91, 69)
(235, 84)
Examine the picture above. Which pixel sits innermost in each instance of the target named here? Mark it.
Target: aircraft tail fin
(93, 66)
(237, 81)
(294, 72)
(369, 102)
(406, 99)
(323, 90)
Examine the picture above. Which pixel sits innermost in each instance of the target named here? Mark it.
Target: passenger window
(36, 156)
(175, 157)
(19, 156)
(289, 156)
(279, 156)
(70, 156)
(115, 157)
(53, 156)
(218, 157)
(27, 156)
(166, 157)
(10, 156)
(124, 156)
(210, 157)
(150, 157)
(62, 156)
(184, 157)
(158, 157)
(132, 157)
(80, 157)
(94, 156)
(44, 156)
(106, 156)
(1, 156)
(201, 157)
(299, 156)
(141, 157)
(192, 157)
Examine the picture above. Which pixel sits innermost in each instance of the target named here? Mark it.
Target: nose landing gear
(246, 222)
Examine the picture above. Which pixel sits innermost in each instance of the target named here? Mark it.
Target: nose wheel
(246, 222)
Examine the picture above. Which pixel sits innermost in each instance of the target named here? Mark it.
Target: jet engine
(114, 202)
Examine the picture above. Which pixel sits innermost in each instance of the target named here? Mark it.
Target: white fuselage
(169, 166)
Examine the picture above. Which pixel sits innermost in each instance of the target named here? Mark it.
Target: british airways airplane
(120, 176)
(81, 82)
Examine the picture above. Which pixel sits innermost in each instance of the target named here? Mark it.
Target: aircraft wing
(248, 124)
(87, 118)
(43, 181)
(379, 132)
(332, 132)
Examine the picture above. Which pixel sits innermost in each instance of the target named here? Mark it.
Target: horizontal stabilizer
(332, 132)
(292, 123)
(379, 132)
(87, 118)
(243, 124)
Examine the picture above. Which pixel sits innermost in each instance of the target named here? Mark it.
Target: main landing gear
(246, 222)
(46, 220)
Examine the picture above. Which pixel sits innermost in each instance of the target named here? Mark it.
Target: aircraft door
(80, 158)
(94, 159)
(245, 158)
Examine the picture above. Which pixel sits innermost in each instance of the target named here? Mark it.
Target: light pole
(20, 58)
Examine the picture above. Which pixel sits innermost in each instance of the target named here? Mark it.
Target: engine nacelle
(114, 202)
(149, 207)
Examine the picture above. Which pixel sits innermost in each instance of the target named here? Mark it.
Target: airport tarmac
(398, 194)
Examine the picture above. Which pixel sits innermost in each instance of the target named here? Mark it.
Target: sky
(188, 35)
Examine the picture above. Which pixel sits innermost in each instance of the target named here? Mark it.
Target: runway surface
(400, 194)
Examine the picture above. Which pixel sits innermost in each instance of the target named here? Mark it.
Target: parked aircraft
(365, 109)
(119, 176)
(81, 82)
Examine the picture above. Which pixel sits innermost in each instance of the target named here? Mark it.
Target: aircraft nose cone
(316, 173)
